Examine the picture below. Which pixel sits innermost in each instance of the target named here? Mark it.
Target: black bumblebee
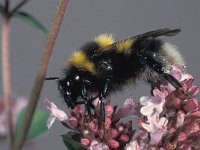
(102, 66)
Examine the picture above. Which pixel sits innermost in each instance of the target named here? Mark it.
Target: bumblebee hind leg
(155, 63)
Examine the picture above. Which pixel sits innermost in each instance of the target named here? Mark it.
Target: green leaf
(31, 20)
(38, 124)
(70, 143)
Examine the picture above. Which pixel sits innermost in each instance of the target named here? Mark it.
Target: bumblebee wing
(159, 32)
(151, 34)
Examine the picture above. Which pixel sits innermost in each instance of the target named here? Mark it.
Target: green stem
(6, 77)
(46, 53)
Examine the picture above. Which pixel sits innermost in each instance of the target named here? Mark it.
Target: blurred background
(84, 20)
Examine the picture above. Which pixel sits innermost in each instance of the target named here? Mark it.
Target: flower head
(171, 117)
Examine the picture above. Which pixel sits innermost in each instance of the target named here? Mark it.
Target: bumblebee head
(70, 88)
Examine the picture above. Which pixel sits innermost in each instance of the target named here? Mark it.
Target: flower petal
(180, 118)
(133, 145)
(176, 74)
(127, 109)
(148, 127)
(54, 113)
(156, 136)
(193, 90)
(144, 100)
(95, 145)
(148, 110)
(50, 120)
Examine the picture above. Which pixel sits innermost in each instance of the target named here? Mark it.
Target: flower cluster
(114, 135)
(168, 119)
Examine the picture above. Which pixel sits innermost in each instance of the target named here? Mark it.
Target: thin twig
(46, 53)
(17, 7)
(6, 77)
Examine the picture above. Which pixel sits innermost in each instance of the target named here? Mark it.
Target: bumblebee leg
(172, 80)
(103, 95)
(152, 60)
(85, 100)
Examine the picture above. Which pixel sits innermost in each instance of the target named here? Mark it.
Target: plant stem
(6, 77)
(16, 8)
(46, 53)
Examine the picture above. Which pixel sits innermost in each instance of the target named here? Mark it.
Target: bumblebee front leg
(85, 100)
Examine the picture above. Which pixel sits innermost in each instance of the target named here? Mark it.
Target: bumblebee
(103, 66)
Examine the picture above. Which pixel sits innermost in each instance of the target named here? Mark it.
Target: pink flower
(112, 134)
(180, 118)
(133, 145)
(55, 113)
(17, 106)
(127, 109)
(157, 128)
(152, 104)
(124, 138)
(109, 111)
(113, 144)
(73, 121)
(182, 137)
(85, 142)
(95, 145)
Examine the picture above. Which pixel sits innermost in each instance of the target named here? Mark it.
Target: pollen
(124, 45)
(104, 40)
(80, 61)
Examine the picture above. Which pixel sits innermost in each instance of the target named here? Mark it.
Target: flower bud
(191, 105)
(124, 138)
(93, 127)
(113, 144)
(85, 142)
(172, 130)
(73, 121)
(114, 133)
(177, 102)
(181, 137)
(109, 111)
(78, 109)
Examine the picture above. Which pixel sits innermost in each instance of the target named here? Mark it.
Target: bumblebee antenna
(52, 78)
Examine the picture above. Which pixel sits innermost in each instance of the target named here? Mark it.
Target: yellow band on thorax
(79, 60)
